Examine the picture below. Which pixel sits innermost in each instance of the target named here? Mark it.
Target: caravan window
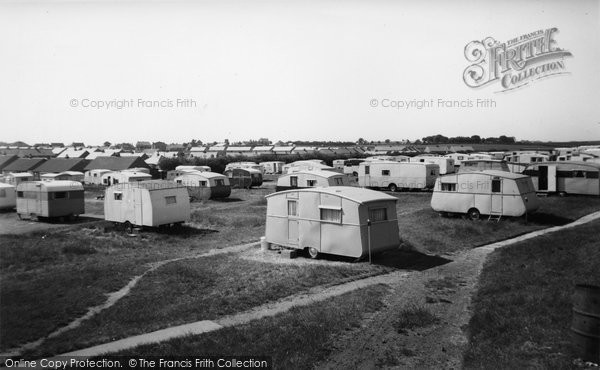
(496, 185)
(171, 199)
(447, 186)
(220, 182)
(331, 215)
(294, 181)
(2, 193)
(591, 175)
(367, 170)
(178, 181)
(311, 182)
(578, 174)
(19, 194)
(378, 214)
(118, 196)
(339, 181)
(292, 206)
(433, 172)
(385, 172)
(60, 195)
(202, 183)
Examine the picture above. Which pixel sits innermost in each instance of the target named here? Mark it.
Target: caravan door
(292, 208)
(543, 178)
(496, 201)
(138, 208)
(551, 180)
(367, 176)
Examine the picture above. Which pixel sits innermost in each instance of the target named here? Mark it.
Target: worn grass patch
(522, 311)
(414, 317)
(200, 289)
(297, 339)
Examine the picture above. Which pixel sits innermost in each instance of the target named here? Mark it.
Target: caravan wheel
(474, 214)
(393, 187)
(313, 253)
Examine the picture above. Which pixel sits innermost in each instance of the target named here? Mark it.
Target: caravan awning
(337, 208)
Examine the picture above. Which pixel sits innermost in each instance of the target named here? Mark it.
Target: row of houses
(40, 166)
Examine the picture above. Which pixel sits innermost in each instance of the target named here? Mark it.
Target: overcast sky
(285, 70)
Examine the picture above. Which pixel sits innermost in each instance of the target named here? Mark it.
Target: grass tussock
(522, 311)
(413, 318)
(297, 339)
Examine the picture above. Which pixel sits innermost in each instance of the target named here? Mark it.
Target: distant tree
(387, 141)
(506, 140)
(159, 145)
(107, 144)
(361, 141)
(475, 139)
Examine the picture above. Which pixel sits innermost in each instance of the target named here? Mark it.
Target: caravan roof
(496, 173)
(564, 164)
(355, 194)
(60, 185)
(205, 174)
(317, 172)
(149, 184)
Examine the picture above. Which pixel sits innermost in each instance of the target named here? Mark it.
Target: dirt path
(445, 292)
(315, 294)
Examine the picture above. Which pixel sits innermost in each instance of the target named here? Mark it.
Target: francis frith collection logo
(516, 62)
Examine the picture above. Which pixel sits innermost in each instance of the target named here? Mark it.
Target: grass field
(424, 230)
(49, 278)
(522, 311)
(201, 289)
(297, 339)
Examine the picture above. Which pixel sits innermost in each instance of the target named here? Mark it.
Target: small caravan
(458, 158)
(193, 168)
(397, 175)
(15, 178)
(273, 167)
(338, 164)
(351, 166)
(8, 196)
(205, 185)
(50, 199)
(245, 165)
(147, 203)
(65, 175)
(307, 165)
(471, 165)
(244, 177)
(490, 192)
(117, 177)
(518, 161)
(310, 179)
(446, 164)
(94, 177)
(340, 220)
(565, 177)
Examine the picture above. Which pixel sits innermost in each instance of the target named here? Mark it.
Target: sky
(125, 71)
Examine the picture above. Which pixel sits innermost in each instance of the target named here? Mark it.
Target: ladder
(495, 216)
